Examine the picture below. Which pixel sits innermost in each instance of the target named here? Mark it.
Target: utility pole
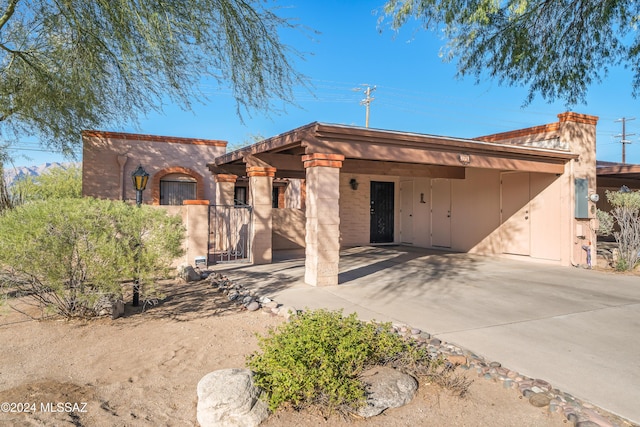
(624, 135)
(366, 101)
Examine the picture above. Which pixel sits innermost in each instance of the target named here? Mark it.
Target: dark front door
(382, 212)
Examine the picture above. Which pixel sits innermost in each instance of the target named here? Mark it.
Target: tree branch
(11, 8)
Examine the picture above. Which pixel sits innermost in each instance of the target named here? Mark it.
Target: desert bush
(56, 183)
(317, 358)
(68, 254)
(626, 214)
(606, 223)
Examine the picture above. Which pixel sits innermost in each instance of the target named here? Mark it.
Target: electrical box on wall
(582, 198)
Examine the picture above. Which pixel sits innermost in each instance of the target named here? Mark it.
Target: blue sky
(415, 90)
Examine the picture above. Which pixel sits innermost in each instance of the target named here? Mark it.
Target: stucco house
(523, 194)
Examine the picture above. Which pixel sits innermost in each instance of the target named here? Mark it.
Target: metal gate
(229, 232)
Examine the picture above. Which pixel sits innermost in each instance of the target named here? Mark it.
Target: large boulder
(386, 388)
(228, 398)
(188, 273)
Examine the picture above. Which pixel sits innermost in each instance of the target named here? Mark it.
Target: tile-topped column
(323, 218)
(225, 188)
(260, 194)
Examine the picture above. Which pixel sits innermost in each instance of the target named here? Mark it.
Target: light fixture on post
(354, 184)
(140, 177)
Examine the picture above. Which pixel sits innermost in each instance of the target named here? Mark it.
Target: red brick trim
(223, 177)
(549, 128)
(261, 171)
(504, 136)
(155, 181)
(195, 202)
(322, 159)
(570, 116)
(152, 138)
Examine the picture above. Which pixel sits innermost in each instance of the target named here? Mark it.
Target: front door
(441, 213)
(382, 196)
(406, 213)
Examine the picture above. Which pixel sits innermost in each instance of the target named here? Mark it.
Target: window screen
(175, 192)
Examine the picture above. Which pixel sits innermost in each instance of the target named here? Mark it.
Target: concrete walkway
(577, 329)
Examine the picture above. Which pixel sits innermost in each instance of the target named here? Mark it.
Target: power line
(624, 135)
(366, 101)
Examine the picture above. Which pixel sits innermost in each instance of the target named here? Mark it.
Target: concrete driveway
(577, 329)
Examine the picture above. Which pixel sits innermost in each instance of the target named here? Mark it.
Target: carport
(511, 194)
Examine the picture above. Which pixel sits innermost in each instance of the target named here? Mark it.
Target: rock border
(538, 392)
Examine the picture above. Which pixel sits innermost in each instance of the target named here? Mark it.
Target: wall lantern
(594, 197)
(354, 184)
(140, 178)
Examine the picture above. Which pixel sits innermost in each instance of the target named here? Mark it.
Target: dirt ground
(142, 370)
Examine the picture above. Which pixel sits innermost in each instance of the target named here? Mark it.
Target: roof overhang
(390, 152)
(611, 174)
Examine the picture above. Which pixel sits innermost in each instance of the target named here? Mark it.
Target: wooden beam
(282, 161)
(402, 169)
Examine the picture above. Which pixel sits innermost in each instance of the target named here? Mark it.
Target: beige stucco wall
(108, 163)
(288, 228)
(195, 219)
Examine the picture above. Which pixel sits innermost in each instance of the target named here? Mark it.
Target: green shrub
(56, 183)
(70, 253)
(625, 210)
(318, 356)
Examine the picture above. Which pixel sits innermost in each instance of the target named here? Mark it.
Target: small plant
(317, 358)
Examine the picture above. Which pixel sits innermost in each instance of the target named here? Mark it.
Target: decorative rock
(435, 341)
(425, 335)
(495, 364)
(527, 392)
(117, 309)
(386, 388)
(188, 273)
(264, 300)
(233, 295)
(229, 398)
(595, 417)
(253, 306)
(415, 331)
(587, 423)
(247, 300)
(539, 400)
(542, 383)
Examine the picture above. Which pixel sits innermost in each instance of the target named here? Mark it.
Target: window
(176, 188)
(240, 196)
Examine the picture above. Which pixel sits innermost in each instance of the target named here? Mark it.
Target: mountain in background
(12, 174)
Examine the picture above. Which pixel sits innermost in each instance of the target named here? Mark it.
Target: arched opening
(176, 188)
(173, 185)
